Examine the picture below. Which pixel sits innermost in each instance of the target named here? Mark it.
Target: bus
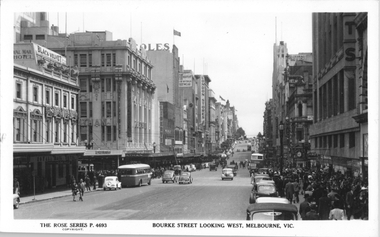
(134, 175)
(255, 162)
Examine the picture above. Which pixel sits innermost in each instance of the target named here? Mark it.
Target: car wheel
(17, 204)
(104, 189)
(149, 182)
(222, 179)
(140, 183)
(163, 181)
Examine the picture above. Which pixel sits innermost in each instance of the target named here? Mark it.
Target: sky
(234, 48)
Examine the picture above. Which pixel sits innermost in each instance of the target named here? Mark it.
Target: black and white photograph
(189, 118)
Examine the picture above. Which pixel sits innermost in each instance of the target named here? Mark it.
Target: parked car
(272, 200)
(227, 173)
(111, 183)
(213, 167)
(16, 201)
(272, 212)
(185, 177)
(169, 176)
(258, 178)
(263, 189)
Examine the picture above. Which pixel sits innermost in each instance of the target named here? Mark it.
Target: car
(263, 189)
(258, 178)
(227, 173)
(272, 200)
(185, 177)
(272, 212)
(213, 167)
(169, 175)
(111, 183)
(234, 168)
(16, 201)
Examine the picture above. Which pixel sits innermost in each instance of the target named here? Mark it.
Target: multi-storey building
(299, 108)
(268, 132)
(166, 74)
(212, 145)
(203, 109)
(337, 90)
(45, 105)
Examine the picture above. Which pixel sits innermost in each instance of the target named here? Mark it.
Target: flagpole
(173, 38)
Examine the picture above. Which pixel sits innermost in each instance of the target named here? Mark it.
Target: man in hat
(312, 215)
(305, 207)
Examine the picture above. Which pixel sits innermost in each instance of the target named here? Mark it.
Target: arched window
(299, 107)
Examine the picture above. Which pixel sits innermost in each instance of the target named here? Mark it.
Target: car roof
(272, 200)
(263, 182)
(226, 169)
(107, 177)
(272, 206)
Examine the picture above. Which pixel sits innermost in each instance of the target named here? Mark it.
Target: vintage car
(234, 168)
(111, 183)
(213, 167)
(169, 176)
(185, 177)
(258, 178)
(272, 212)
(16, 201)
(263, 189)
(227, 173)
(272, 200)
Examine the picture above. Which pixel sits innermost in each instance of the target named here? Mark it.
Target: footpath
(49, 194)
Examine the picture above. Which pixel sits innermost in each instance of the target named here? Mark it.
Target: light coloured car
(185, 177)
(272, 212)
(272, 200)
(111, 183)
(168, 176)
(227, 173)
(16, 201)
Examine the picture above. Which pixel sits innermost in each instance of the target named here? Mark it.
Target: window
(83, 60)
(114, 109)
(72, 132)
(18, 129)
(335, 140)
(129, 60)
(114, 85)
(47, 136)
(108, 58)
(102, 109)
(103, 133)
(90, 109)
(65, 132)
(102, 59)
(341, 140)
(72, 102)
(108, 84)
(18, 90)
(114, 59)
(90, 86)
(56, 99)
(90, 133)
(114, 133)
(83, 85)
(35, 130)
(75, 59)
(351, 89)
(35, 94)
(316, 142)
(90, 60)
(40, 37)
(83, 109)
(109, 133)
(330, 141)
(83, 133)
(108, 108)
(352, 139)
(102, 84)
(65, 101)
(57, 125)
(47, 96)
(28, 37)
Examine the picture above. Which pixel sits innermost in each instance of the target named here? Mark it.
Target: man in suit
(312, 215)
(289, 190)
(305, 207)
(349, 203)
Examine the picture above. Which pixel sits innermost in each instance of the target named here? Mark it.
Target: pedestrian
(336, 213)
(305, 207)
(16, 187)
(289, 190)
(349, 203)
(324, 206)
(312, 215)
(74, 189)
(81, 188)
(296, 187)
(88, 188)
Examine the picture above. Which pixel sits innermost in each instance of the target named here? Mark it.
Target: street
(207, 198)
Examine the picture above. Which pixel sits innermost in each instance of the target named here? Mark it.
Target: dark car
(263, 189)
(234, 168)
(213, 167)
(272, 212)
(169, 176)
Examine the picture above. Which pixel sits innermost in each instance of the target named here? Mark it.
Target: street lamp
(281, 128)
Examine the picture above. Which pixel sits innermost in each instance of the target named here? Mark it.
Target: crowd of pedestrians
(328, 195)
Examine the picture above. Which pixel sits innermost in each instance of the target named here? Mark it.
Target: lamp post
(281, 128)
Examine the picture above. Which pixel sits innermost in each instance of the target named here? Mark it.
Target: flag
(167, 88)
(176, 33)
(222, 98)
